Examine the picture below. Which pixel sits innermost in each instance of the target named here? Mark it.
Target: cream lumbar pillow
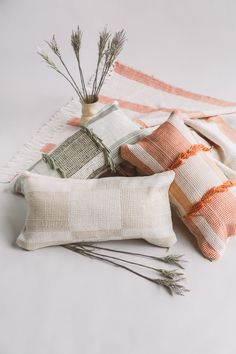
(62, 211)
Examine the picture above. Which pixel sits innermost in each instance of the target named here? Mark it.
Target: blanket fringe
(30, 152)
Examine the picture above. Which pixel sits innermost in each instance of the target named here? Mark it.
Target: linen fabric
(151, 102)
(147, 101)
(93, 149)
(70, 210)
(203, 196)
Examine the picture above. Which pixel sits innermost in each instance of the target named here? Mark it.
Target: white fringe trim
(30, 153)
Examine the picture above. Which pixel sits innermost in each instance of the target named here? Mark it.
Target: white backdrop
(54, 301)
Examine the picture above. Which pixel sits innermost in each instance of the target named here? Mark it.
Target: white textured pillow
(81, 154)
(63, 211)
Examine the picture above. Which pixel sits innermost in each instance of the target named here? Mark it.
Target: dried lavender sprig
(76, 39)
(53, 66)
(170, 274)
(108, 50)
(102, 44)
(55, 48)
(172, 259)
(170, 285)
(114, 48)
(174, 288)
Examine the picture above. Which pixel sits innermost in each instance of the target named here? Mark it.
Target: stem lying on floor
(171, 285)
(169, 274)
(172, 259)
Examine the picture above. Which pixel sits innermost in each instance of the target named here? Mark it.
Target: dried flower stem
(103, 39)
(173, 259)
(108, 50)
(170, 274)
(172, 286)
(53, 66)
(55, 48)
(76, 38)
(67, 70)
(113, 50)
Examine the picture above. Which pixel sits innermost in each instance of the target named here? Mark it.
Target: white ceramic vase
(88, 111)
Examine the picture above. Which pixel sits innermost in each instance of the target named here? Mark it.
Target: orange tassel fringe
(208, 196)
(183, 156)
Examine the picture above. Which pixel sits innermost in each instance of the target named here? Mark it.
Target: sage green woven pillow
(93, 149)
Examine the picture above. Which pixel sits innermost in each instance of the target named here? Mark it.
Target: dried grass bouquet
(109, 47)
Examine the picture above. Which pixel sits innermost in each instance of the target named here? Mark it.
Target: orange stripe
(74, 121)
(128, 105)
(140, 108)
(180, 197)
(47, 148)
(150, 81)
(141, 123)
(165, 144)
(207, 250)
(195, 114)
(219, 217)
(224, 127)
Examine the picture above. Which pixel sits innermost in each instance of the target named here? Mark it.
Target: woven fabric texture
(152, 101)
(201, 193)
(91, 150)
(63, 211)
(147, 101)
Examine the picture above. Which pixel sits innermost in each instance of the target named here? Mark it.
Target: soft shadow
(182, 232)
(13, 210)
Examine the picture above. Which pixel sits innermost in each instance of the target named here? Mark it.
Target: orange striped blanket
(149, 101)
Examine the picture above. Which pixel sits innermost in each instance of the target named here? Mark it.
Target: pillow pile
(69, 210)
(76, 209)
(204, 198)
(93, 149)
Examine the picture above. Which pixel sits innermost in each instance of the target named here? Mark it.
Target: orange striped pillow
(204, 198)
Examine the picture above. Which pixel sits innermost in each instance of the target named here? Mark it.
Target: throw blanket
(150, 102)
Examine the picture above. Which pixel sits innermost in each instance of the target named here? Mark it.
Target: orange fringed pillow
(204, 198)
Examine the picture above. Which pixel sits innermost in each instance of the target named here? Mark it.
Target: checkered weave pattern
(73, 154)
(85, 153)
(203, 196)
(93, 149)
(63, 211)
